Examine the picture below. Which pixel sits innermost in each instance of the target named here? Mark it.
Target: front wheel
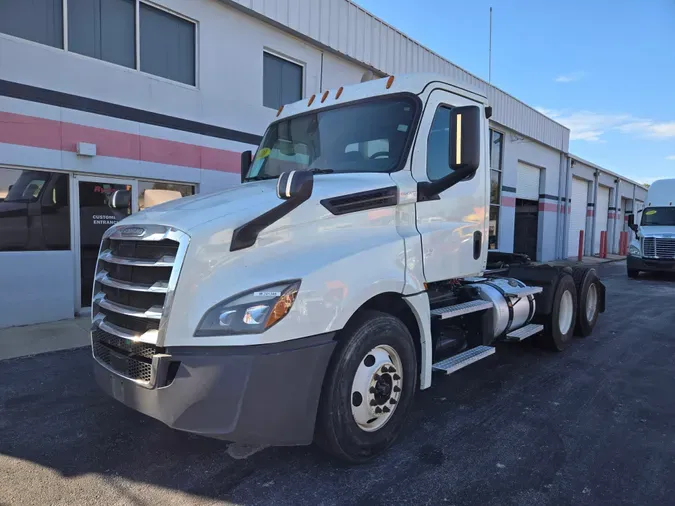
(369, 388)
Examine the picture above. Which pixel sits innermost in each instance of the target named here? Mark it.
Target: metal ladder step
(524, 332)
(523, 291)
(459, 309)
(452, 364)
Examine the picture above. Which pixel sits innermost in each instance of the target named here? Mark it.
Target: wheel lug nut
(373, 402)
(386, 409)
(397, 389)
(376, 377)
(378, 410)
(372, 390)
(396, 377)
(392, 401)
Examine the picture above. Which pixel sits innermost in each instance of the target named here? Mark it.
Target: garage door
(579, 198)
(601, 210)
(527, 187)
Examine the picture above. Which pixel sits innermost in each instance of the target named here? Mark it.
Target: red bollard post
(603, 244)
(581, 245)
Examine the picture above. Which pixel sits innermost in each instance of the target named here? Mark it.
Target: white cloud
(571, 77)
(590, 126)
(671, 157)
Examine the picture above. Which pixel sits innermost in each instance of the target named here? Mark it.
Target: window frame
(294, 61)
(500, 171)
(137, 41)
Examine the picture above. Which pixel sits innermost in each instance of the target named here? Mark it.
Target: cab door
(453, 225)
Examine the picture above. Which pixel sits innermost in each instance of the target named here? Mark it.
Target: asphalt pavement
(592, 425)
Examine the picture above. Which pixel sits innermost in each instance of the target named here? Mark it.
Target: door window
(438, 145)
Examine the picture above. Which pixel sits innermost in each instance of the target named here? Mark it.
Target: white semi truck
(652, 248)
(311, 302)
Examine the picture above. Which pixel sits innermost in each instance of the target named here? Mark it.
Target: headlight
(250, 312)
(634, 251)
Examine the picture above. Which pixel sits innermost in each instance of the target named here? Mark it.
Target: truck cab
(652, 248)
(312, 301)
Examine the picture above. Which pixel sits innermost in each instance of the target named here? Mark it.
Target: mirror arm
(428, 190)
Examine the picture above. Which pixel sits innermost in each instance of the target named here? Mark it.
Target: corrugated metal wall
(346, 28)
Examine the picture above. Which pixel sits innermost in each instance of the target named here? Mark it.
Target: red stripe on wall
(509, 201)
(589, 213)
(547, 206)
(51, 134)
(610, 216)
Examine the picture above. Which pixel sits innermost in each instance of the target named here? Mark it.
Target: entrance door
(101, 203)
(526, 228)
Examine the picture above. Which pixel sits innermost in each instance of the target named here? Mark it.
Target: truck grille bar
(658, 247)
(136, 275)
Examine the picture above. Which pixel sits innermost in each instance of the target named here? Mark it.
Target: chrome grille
(658, 247)
(133, 289)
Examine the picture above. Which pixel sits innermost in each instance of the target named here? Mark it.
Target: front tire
(373, 367)
(633, 274)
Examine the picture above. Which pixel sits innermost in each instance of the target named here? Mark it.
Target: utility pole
(490, 51)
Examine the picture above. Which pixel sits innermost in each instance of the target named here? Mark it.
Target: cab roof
(410, 83)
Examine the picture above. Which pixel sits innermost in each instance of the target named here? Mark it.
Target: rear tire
(588, 297)
(633, 274)
(374, 362)
(560, 325)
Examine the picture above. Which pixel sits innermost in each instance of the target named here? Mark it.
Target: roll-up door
(579, 196)
(527, 187)
(601, 210)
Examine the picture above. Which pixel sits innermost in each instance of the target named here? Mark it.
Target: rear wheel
(588, 298)
(369, 388)
(633, 274)
(560, 325)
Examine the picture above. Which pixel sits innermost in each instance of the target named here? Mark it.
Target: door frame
(75, 225)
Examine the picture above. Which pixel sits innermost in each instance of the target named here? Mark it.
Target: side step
(524, 332)
(452, 364)
(459, 309)
(523, 291)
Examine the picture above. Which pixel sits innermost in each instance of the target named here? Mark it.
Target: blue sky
(605, 69)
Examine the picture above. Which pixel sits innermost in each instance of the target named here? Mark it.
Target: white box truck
(652, 248)
(311, 302)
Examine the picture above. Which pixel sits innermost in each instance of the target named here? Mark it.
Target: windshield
(653, 216)
(365, 137)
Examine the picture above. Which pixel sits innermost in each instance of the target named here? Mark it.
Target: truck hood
(658, 231)
(238, 205)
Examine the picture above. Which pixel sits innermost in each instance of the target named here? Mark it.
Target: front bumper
(647, 264)
(265, 394)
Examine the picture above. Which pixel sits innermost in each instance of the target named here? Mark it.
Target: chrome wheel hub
(376, 388)
(566, 312)
(591, 302)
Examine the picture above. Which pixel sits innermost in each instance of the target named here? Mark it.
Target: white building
(161, 97)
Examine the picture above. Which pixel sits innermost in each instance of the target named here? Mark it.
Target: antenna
(490, 51)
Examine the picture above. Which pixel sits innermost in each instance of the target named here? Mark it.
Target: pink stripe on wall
(547, 206)
(51, 134)
(589, 213)
(509, 201)
(30, 131)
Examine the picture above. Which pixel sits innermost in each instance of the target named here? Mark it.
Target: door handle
(477, 243)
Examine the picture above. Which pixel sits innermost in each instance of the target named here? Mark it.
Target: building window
(34, 210)
(151, 193)
(37, 20)
(109, 30)
(103, 29)
(282, 81)
(167, 45)
(496, 161)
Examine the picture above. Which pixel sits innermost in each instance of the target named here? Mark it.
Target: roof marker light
(339, 92)
(325, 96)
(390, 81)
(279, 111)
(311, 100)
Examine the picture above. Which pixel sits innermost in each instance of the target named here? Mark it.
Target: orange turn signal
(311, 100)
(390, 81)
(279, 111)
(339, 92)
(325, 96)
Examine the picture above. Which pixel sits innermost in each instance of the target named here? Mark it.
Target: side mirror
(464, 152)
(295, 184)
(465, 139)
(246, 159)
(121, 199)
(631, 223)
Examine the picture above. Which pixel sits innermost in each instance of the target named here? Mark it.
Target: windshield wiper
(260, 178)
(321, 171)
